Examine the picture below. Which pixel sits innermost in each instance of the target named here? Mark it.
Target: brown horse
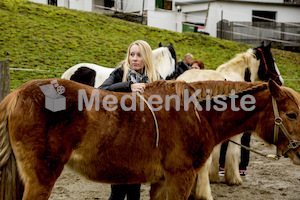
(118, 146)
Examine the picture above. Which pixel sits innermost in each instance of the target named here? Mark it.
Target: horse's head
(173, 53)
(286, 108)
(267, 67)
(165, 60)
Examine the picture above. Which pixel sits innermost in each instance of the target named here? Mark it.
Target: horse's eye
(291, 115)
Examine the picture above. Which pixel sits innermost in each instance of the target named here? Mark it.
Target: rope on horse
(154, 117)
(5, 145)
(275, 157)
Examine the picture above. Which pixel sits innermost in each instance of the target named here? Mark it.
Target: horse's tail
(11, 186)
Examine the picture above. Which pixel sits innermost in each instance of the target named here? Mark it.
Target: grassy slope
(54, 39)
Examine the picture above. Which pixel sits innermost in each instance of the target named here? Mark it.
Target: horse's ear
(171, 44)
(160, 45)
(275, 90)
(269, 45)
(262, 43)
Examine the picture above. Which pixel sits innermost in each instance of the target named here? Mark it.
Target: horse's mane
(242, 57)
(164, 61)
(162, 54)
(245, 58)
(295, 96)
(211, 88)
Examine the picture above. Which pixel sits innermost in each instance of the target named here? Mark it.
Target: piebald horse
(105, 143)
(256, 64)
(164, 59)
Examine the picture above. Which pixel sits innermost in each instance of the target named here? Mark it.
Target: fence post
(282, 27)
(4, 79)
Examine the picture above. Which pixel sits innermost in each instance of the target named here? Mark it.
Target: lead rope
(276, 128)
(275, 157)
(154, 117)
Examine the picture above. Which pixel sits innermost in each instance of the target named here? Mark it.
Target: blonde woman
(136, 71)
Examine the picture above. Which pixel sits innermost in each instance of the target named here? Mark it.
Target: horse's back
(200, 75)
(88, 73)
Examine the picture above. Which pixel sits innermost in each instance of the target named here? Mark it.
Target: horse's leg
(214, 167)
(201, 188)
(39, 174)
(39, 181)
(179, 185)
(158, 191)
(232, 175)
(37, 191)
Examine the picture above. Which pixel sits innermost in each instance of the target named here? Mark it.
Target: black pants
(244, 153)
(118, 192)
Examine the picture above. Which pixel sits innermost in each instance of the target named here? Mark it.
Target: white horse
(164, 59)
(256, 64)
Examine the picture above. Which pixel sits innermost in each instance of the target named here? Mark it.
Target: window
(164, 4)
(263, 18)
(52, 2)
(292, 1)
(109, 3)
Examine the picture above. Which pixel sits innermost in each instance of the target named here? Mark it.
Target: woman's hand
(137, 87)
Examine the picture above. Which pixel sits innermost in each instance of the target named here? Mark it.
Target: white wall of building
(254, 1)
(133, 6)
(150, 4)
(262, 1)
(85, 5)
(208, 12)
(163, 19)
(40, 1)
(288, 14)
(234, 11)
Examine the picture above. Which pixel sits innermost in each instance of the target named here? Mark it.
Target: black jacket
(181, 67)
(114, 82)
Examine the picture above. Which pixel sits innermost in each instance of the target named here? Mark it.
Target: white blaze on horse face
(277, 71)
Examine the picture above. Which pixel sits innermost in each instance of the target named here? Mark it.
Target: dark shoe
(242, 172)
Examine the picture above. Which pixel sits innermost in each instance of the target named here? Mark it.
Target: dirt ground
(266, 179)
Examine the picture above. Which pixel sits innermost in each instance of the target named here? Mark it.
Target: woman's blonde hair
(146, 53)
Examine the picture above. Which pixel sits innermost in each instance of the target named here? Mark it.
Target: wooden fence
(4, 79)
(284, 35)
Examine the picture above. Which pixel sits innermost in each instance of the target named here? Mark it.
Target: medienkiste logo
(54, 100)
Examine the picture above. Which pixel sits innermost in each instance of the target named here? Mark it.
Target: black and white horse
(256, 64)
(164, 59)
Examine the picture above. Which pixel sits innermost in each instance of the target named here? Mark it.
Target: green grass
(53, 39)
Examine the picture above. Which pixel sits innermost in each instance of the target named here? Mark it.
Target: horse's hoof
(214, 179)
(234, 181)
(193, 198)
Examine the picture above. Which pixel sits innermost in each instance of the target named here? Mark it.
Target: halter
(266, 66)
(278, 124)
(293, 144)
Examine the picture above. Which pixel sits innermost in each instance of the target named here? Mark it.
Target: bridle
(266, 66)
(293, 144)
(278, 124)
